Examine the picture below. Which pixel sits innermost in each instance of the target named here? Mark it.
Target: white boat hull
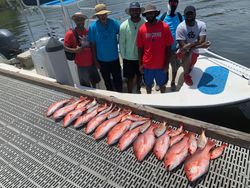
(234, 89)
(217, 83)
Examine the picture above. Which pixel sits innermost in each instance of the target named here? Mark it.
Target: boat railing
(63, 7)
(229, 64)
(49, 3)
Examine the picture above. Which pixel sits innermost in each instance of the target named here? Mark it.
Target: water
(227, 22)
(228, 29)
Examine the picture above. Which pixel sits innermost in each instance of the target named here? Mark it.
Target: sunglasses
(79, 19)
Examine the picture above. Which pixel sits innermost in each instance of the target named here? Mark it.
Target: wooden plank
(214, 131)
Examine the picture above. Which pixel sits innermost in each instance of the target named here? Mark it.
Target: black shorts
(111, 68)
(131, 68)
(88, 75)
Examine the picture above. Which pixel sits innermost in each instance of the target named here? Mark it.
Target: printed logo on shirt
(153, 35)
(191, 35)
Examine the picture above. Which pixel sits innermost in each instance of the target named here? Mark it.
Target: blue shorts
(159, 75)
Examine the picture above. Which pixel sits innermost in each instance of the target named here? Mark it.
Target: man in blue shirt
(102, 35)
(173, 19)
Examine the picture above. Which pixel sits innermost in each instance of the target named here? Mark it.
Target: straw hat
(150, 8)
(134, 5)
(101, 9)
(79, 15)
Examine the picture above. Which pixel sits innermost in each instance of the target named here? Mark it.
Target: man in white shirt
(191, 35)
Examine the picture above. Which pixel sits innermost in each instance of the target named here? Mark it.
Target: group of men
(146, 46)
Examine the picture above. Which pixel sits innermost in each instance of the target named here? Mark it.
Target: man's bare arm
(201, 43)
(140, 54)
(78, 49)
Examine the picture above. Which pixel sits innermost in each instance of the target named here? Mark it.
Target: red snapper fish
(176, 154)
(73, 115)
(217, 152)
(198, 164)
(96, 121)
(192, 143)
(83, 103)
(117, 131)
(176, 139)
(104, 111)
(136, 124)
(104, 128)
(130, 136)
(85, 118)
(66, 109)
(145, 126)
(90, 105)
(56, 105)
(161, 145)
(160, 130)
(134, 117)
(114, 113)
(202, 140)
(177, 131)
(144, 143)
(102, 107)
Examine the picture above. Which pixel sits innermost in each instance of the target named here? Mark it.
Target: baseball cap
(189, 9)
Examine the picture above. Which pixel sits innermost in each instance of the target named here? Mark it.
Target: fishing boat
(218, 82)
(36, 151)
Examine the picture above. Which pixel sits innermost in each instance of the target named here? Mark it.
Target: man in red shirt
(75, 41)
(154, 40)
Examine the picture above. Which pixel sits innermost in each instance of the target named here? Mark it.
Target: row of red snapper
(173, 146)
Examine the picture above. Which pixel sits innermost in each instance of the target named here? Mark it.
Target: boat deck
(37, 152)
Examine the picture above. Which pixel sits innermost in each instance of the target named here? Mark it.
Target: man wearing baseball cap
(103, 39)
(154, 40)
(173, 19)
(75, 41)
(128, 48)
(191, 35)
